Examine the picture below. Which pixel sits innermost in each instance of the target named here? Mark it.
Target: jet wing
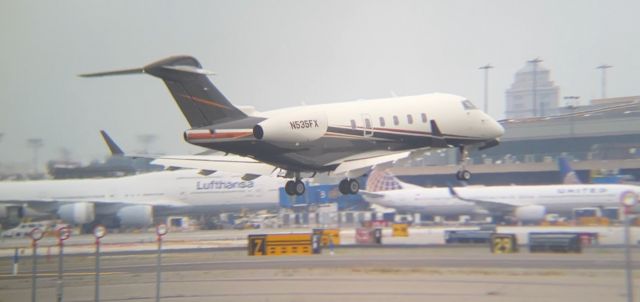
(354, 167)
(370, 194)
(491, 206)
(226, 163)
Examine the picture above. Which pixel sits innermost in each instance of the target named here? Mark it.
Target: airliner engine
(77, 213)
(12, 212)
(530, 213)
(304, 126)
(135, 216)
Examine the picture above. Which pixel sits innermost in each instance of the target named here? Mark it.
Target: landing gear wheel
(349, 186)
(463, 175)
(298, 188)
(343, 186)
(289, 187)
(354, 186)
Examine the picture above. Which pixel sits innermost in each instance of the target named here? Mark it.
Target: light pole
(486, 86)
(35, 234)
(161, 230)
(604, 68)
(535, 85)
(99, 231)
(36, 144)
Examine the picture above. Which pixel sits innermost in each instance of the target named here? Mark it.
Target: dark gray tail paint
(113, 147)
(200, 101)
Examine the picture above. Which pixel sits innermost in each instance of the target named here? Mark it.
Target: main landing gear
(347, 186)
(463, 174)
(294, 187)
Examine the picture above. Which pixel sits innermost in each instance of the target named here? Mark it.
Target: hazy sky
(271, 54)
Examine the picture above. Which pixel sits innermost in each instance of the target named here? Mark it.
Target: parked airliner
(525, 203)
(343, 139)
(133, 200)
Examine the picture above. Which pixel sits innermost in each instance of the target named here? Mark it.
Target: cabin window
(395, 120)
(353, 124)
(409, 119)
(367, 123)
(382, 122)
(424, 117)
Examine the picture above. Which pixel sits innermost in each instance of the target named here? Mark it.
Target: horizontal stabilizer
(113, 73)
(182, 68)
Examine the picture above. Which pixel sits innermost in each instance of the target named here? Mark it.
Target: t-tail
(567, 174)
(200, 101)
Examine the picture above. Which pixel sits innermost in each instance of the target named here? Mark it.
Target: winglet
(113, 147)
(453, 192)
(438, 139)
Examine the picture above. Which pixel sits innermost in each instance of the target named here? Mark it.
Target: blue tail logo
(567, 174)
(379, 181)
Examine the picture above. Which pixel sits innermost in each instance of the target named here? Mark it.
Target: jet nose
(498, 129)
(493, 128)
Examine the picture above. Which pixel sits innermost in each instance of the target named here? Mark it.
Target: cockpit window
(468, 105)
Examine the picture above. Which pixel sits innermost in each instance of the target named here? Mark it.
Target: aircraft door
(367, 125)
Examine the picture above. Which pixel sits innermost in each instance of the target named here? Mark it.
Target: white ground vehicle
(23, 229)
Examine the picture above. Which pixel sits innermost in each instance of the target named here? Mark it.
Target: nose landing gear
(463, 174)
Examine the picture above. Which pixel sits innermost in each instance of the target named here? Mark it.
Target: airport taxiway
(214, 265)
(351, 274)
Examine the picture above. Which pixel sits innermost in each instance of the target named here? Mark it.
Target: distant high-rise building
(532, 92)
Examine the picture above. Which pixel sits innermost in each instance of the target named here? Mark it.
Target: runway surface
(214, 266)
(353, 274)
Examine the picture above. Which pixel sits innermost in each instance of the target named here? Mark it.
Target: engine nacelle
(4, 212)
(530, 213)
(77, 213)
(301, 126)
(135, 216)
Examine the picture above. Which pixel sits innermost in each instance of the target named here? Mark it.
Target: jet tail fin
(567, 174)
(199, 100)
(113, 147)
(382, 180)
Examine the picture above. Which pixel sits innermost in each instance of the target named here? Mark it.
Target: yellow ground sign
(504, 243)
(400, 230)
(283, 244)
